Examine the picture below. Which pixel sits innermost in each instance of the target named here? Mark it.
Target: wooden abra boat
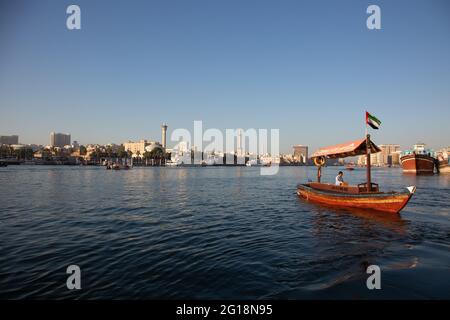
(365, 195)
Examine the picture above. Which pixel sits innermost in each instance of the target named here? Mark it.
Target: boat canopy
(349, 149)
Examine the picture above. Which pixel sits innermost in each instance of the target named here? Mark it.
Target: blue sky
(308, 68)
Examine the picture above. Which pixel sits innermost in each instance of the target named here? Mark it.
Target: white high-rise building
(183, 146)
(240, 144)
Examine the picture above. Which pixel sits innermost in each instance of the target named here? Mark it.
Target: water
(214, 233)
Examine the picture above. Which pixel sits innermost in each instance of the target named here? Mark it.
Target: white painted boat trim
(411, 189)
(417, 159)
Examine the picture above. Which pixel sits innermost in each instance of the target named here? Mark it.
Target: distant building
(183, 146)
(240, 141)
(35, 147)
(376, 159)
(136, 147)
(115, 148)
(389, 155)
(181, 153)
(386, 154)
(59, 139)
(361, 160)
(152, 145)
(269, 159)
(287, 159)
(19, 146)
(14, 139)
(395, 158)
(300, 153)
(140, 147)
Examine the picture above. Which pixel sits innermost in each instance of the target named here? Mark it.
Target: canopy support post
(369, 178)
(319, 173)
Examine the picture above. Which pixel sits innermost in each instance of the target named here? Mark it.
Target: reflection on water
(215, 233)
(368, 218)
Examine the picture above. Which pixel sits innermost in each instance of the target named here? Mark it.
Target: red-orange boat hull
(386, 202)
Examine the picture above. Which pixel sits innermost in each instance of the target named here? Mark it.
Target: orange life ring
(319, 161)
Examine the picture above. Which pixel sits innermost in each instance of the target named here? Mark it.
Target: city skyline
(128, 70)
(244, 145)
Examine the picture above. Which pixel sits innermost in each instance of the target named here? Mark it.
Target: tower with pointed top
(163, 134)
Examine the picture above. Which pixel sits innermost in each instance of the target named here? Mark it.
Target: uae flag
(372, 121)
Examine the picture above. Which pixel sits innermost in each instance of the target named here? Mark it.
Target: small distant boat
(363, 196)
(444, 165)
(117, 166)
(442, 162)
(418, 160)
(350, 167)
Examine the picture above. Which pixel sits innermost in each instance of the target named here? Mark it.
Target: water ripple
(215, 233)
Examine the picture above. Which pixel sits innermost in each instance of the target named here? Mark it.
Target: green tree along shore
(7, 151)
(81, 155)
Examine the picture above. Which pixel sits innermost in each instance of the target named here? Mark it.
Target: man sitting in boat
(340, 179)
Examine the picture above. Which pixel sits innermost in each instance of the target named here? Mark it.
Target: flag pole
(368, 175)
(365, 135)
